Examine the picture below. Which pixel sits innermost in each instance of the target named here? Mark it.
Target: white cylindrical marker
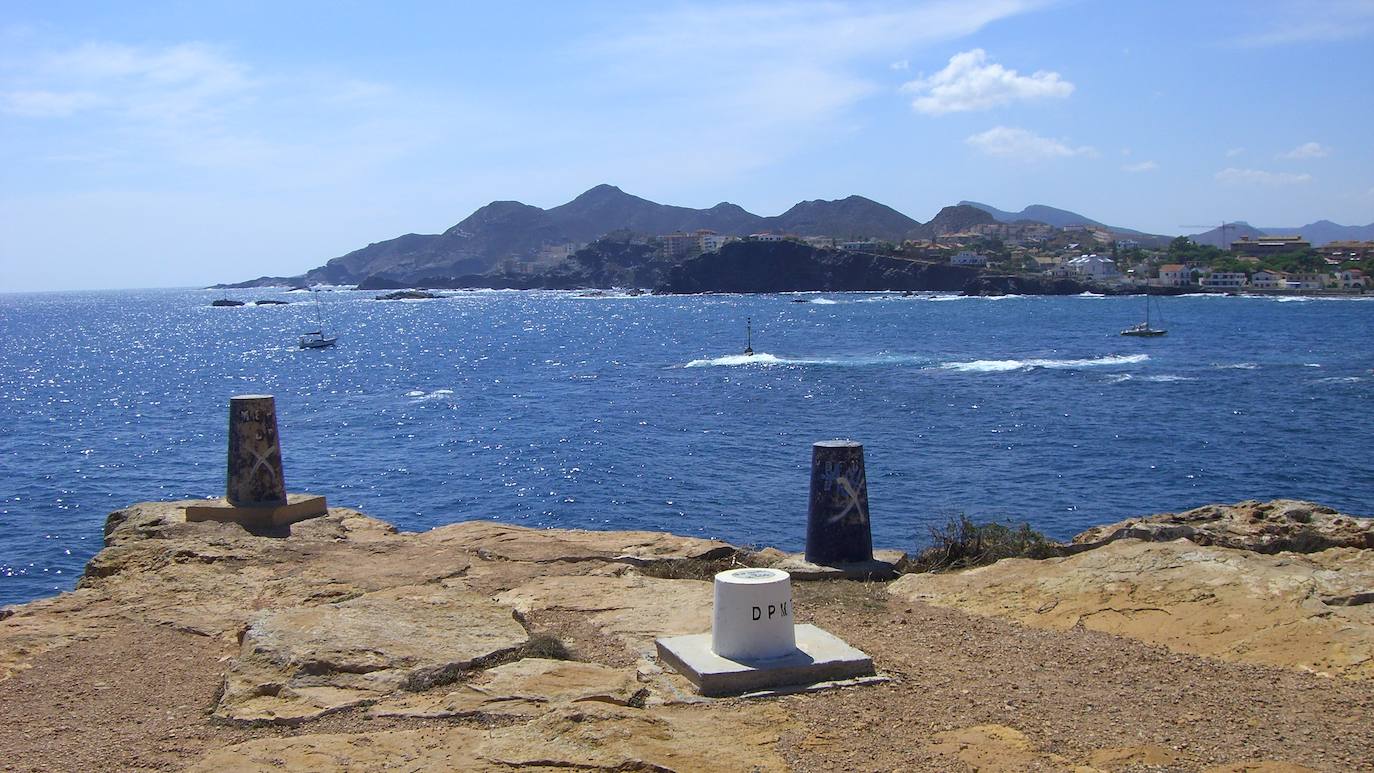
(752, 618)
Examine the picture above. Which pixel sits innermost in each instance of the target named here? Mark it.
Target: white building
(1174, 275)
(1306, 281)
(765, 237)
(712, 241)
(1090, 266)
(1224, 280)
(968, 258)
(1268, 279)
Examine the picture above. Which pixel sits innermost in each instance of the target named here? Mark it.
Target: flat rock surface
(1287, 610)
(1264, 527)
(524, 688)
(302, 662)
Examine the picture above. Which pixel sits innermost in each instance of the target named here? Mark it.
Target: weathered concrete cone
(255, 471)
(837, 527)
(256, 491)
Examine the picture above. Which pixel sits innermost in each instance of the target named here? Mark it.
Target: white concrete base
(820, 657)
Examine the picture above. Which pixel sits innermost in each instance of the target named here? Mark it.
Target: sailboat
(1143, 329)
(316, 339)
(748, 336)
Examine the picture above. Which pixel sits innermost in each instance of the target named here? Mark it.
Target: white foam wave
(1238, 366)
(766, 359)
(1340, 380)
(1086, 294)
(823, 301)
(738, 359)
(968, 297)
(419, 395)
(1003, 366)
(1165, 378)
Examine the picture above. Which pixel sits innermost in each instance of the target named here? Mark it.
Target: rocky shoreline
(1224, 638)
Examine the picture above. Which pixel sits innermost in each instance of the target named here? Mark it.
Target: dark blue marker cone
(837, 528)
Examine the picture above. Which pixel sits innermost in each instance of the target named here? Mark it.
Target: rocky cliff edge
(342, 643)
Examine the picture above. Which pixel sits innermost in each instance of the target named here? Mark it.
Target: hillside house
(1175, 275)
(1351, 279)
(968, 258)
(1269, 279)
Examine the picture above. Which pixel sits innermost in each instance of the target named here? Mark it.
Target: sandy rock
(994, 749)
(499, 541)
(524, 688)
(303, 662)
(1264, 527)
(631, 607)
(598, 737)
(1231, 604)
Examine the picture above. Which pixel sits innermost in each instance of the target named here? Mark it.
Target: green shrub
(960, 543)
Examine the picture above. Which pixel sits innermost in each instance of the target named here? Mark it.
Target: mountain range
(501, 230)
(506, 229)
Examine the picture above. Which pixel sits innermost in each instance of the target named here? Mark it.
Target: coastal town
(1263, 264)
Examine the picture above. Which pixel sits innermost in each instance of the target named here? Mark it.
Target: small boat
(748, 336)
(1143, 329)
(316, 339)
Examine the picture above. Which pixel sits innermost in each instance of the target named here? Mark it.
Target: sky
(167, 144)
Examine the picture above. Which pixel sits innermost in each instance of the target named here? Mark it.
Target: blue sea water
(554, 409)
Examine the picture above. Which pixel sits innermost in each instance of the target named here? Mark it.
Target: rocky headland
(1225, 638)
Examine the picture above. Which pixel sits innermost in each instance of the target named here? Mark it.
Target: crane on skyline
(1224, 227)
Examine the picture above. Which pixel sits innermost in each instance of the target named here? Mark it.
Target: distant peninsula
(608, 238)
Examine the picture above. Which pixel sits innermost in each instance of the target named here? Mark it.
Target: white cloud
(901, 65)
(970, 82)
(1307, 150)
(1310, 21)
(1233, 152)
(778, 76)
(171, 84)
(1024, 145)
(1143, 166)
(1234, 176)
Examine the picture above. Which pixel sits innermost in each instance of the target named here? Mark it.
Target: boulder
(1288, 610)
(1264, 527)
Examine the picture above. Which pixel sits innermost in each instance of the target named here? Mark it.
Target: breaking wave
(1004, 366)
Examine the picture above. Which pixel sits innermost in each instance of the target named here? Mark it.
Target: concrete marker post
(837, 526)
(255, 493)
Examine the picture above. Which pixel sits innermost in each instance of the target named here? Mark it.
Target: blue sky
(184, 143)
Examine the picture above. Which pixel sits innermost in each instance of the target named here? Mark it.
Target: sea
(620, 411)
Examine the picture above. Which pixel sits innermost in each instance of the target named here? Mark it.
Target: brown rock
(514, 543)
(591, 736)
(630, 607)
(1231, 604)
(1264, 527)
(524, 688)
(303, 662)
